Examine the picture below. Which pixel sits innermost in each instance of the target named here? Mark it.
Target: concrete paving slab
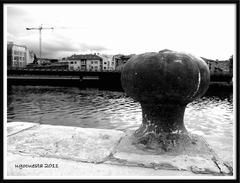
(16, 127)
(80, 144)
(80, 170)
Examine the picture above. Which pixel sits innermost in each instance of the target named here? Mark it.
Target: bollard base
(172, 144)
(165, 142)
(195, 156)
(185, 144)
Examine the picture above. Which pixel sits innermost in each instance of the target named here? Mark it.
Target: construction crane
(40, 28)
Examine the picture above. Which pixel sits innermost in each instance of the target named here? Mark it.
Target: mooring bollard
(164, 83)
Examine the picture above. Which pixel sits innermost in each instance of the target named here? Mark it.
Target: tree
(35, 59)
(231, 63)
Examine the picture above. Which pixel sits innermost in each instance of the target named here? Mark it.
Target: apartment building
(17, 55)
(88, 62)
(108, 63)
(216, 66)
(120, 60)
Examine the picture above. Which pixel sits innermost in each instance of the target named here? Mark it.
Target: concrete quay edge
(93, 152)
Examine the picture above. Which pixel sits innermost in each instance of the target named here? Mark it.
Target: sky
(206, 30)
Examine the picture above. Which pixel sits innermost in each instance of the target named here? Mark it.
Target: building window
(112, 63)
(91, 62)
(71, 62)
(104, 67)
(75, 62)
(83, 61)
(96, 62)
(105, 62)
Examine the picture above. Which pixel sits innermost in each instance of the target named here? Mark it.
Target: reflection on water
(211, 116)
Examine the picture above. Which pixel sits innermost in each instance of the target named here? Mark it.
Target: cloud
(11, 37)
(62, 46)
(18, 20)
(15, 12)
(85, 47)
(63, 49)
(77, 29)
(54, 45)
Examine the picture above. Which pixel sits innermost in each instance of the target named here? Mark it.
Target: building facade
(120, 60)
(74, 65)
(218, 67)
(108, 63)
(16, 55)
(89, 62)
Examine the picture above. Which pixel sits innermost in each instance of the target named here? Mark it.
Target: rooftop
(10, 44)
(87, 56)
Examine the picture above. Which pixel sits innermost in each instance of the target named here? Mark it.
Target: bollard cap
(165, 77)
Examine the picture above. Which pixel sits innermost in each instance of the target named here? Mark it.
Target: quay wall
(89, 79)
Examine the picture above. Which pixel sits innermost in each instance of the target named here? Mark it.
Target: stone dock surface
(40, 150)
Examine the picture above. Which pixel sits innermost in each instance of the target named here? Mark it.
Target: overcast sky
(204, 30)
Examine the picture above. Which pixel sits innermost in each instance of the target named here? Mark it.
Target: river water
(210, 116)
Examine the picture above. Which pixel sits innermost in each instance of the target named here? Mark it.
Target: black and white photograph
(120, 91)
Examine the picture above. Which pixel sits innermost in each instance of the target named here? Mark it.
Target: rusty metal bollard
(164, 83)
